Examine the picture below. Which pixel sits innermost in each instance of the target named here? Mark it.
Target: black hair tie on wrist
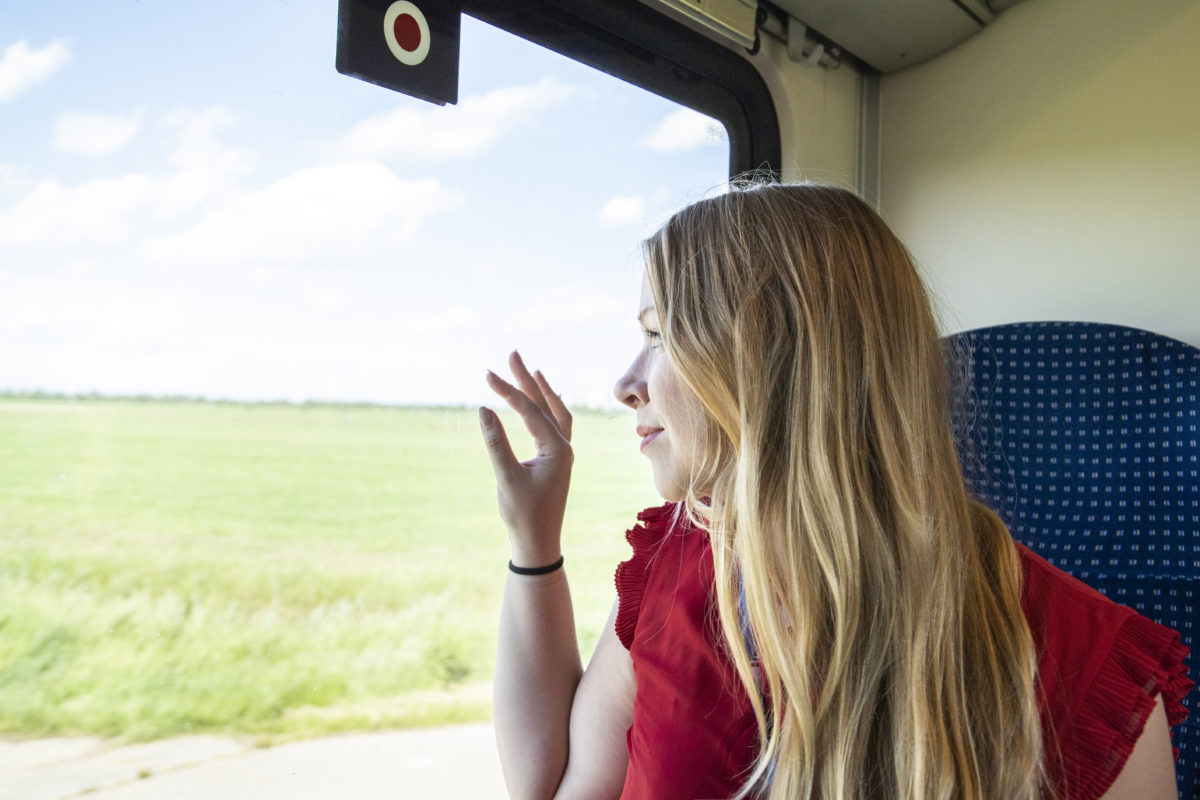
(557, 565)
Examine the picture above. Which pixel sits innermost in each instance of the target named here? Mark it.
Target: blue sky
(193, 201)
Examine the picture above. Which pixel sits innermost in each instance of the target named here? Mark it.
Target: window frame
(631, 41)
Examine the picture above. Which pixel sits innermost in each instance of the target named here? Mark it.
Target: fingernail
(486, 417)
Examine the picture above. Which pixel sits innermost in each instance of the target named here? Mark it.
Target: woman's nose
(631, 387)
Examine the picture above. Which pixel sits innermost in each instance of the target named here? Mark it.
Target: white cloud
(684, 129)
(130, 331)
(10, 180)
(206, 168)
(467, 129)
(565, 306)
(198, 147)
(623, 209)
(95, 212)
(110, 211)
(450, 320)
(94, 134)
(333, 211)
(21, 67)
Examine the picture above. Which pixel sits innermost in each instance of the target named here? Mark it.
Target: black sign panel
(409, 47)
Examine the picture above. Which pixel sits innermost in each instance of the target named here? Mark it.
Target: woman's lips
(648, 435)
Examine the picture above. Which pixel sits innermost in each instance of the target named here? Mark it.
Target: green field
(283, 571)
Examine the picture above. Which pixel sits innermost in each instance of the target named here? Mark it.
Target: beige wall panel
(818, 116)
(1049, 168)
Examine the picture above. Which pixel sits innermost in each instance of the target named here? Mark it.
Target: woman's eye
(653, 337)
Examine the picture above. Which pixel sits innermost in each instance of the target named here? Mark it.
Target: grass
(283, 571)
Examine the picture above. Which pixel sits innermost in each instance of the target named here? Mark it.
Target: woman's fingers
(556, 407)
(527, 383)
(504, 461)
(544, 431)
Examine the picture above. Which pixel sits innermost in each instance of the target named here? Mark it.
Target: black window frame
(631, 41)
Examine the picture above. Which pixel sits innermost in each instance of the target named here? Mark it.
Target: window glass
(246, 305)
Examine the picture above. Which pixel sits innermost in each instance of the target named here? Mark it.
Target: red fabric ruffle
(1146, 660)
(654, 525)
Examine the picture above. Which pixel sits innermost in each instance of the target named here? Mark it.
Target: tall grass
(171, 567)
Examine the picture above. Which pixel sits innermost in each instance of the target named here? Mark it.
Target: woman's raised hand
(533, 493)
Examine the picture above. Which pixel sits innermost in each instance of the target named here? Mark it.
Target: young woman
(820, 610)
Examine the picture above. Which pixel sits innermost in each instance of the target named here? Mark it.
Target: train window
(246, 305)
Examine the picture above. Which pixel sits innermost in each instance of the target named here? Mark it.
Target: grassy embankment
(181, 567)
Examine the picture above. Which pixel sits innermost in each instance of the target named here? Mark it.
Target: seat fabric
(1084, 438)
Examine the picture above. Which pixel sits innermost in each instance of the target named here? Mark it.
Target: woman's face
(670, 419)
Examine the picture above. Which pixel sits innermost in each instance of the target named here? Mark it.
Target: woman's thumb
(496, 440)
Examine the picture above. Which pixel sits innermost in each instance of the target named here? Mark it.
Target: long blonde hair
(883, 601)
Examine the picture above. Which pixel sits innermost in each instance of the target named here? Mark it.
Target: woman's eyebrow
(644, 312)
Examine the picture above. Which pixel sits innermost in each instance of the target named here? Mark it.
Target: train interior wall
(1049, 167)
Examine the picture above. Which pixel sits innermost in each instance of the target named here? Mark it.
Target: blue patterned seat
(1084, 438)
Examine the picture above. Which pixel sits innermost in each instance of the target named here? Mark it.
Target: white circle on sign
(406, 32)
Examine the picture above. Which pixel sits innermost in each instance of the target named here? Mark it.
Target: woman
(821, 610)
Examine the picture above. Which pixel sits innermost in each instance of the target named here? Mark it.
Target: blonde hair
(883, 601)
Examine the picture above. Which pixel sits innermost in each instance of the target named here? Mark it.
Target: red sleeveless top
(693, 734)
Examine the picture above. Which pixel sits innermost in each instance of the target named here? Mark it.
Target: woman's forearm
(537, 672)
(537, 662)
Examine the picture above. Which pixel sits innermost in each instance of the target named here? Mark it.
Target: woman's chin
(670, 491)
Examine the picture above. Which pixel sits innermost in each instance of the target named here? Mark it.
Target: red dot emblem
(406, 32)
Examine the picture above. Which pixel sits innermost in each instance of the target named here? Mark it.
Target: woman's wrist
(534, 557)
(545, 569)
